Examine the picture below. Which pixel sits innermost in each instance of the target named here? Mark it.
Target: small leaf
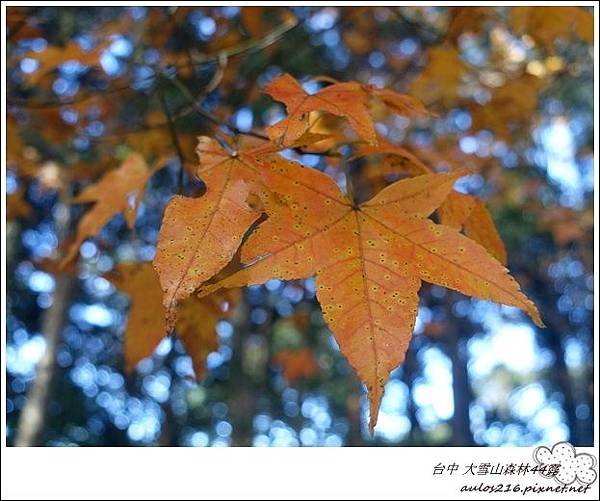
(480, 227)
(197, 323)
(196, 326)
(347, 100)
(344, 99)
(470, 214)
(121, 190)
(146, 319)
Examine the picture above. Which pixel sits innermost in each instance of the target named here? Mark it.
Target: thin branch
(56, 103)
(250, 46)
(182, 113)
(232, 128)
(197, 104)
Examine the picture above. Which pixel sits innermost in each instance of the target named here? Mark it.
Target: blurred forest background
(513, 92)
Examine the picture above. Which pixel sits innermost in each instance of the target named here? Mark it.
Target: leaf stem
(351, 194)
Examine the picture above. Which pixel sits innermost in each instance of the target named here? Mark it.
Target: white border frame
(260, 473)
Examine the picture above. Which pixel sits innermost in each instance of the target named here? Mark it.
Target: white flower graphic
(573, 466)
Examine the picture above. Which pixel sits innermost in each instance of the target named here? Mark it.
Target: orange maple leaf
(470, 213)
(120, 190)
(369, 261)
(199, 236)
(146, 322)
(344, 99)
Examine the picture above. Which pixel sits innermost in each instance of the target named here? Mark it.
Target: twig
(232, 128)
(249, 46)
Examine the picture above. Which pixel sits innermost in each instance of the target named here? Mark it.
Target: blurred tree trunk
(241, 388)
(560, 374)
(455, 347)
(552, 337)
(169, 430)
(33, 416)
(410, 370)
(354, 438)
(588, 422)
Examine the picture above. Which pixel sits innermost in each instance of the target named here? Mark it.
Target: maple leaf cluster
(264, 216)
(384, 215)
